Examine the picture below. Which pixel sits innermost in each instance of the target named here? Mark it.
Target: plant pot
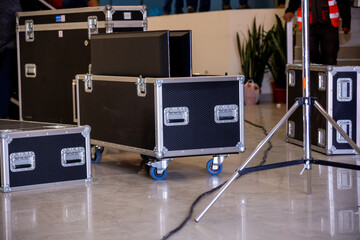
(279, 94)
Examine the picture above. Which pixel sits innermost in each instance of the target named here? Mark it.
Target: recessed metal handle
(30, 70)
(226, 113)
(321, 137)
(22, 161)
(72, 156)
(344, 89)
(346, 125)
(291, 129)
(322, 81)
(291, 78)
(176, 116)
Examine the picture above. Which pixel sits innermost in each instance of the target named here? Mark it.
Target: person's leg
(314, 41)
(329, 44)
(191, 6)
(167, 7)
(226, 4)
(179, 4)
(204, 5)
(7, 77)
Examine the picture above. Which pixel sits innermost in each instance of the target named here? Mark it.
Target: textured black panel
(202, 131)
(117, 115)
(48, 97)
(345, 110)
(131, 54)
(48, 167)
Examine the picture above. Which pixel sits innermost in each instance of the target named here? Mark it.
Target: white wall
(214, 36)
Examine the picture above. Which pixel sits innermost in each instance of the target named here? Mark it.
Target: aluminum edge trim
(115, 78)
(241, 110)
(47, 185)
(46, 132)
(191, 68)
(88, 156)
(77, 77)
(358, 107)
(18, 65)
(5, 178)
(329, 99)
(159, 131)
(61, 11)
(199, 152)
(200, 79)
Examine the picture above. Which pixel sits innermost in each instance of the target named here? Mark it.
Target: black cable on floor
(188, 216)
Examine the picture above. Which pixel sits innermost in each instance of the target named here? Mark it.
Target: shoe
(243, 6)
(190, 9)
(226, 7)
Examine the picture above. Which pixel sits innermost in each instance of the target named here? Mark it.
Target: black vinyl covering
(131, 54)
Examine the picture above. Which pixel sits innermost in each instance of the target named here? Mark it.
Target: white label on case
(127, 15)
(60, 34)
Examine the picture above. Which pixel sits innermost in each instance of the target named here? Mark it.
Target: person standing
(8, 60)
(323, 30)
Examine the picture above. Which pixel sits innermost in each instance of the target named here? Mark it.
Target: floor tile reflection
(124, 203)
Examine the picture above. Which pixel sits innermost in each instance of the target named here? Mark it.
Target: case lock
(141, 86)
(88, 84)
(109, 24)
(29, 31)
(92, 26)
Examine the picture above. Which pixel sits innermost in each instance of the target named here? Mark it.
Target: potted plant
(277, 61)
(254, 53)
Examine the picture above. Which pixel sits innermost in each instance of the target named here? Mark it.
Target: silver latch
(29, 31)
(321, 137)
(88, 84)
(141, 86)
(92, 26)
(109, 24)
(30, 70)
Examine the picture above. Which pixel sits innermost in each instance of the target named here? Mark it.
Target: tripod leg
(252, 155)
(337, 127)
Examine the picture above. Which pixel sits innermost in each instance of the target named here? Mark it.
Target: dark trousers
(179, 4)
(227, 2)
(323, 44)
(8, 79)
(204, 5)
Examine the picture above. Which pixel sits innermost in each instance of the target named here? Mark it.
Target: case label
(60, 18)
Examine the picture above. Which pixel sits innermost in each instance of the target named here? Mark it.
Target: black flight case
(337, 91)
(35, 154)
(54, 46)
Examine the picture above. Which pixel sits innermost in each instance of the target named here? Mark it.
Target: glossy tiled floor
(124, 203)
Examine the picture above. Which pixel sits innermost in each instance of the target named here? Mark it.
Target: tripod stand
(306, 101)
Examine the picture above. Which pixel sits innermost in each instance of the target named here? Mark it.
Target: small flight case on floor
(163, 118)
(37, 154)
(337, 91)
(54, 46)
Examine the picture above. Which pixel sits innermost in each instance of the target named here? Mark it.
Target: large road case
(163, 118)
(54, 46)
(37, 154)
(337, 91)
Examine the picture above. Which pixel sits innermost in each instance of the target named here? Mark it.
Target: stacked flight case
(54, 46)
(35, 154)
(337, 91)
(163, 118)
